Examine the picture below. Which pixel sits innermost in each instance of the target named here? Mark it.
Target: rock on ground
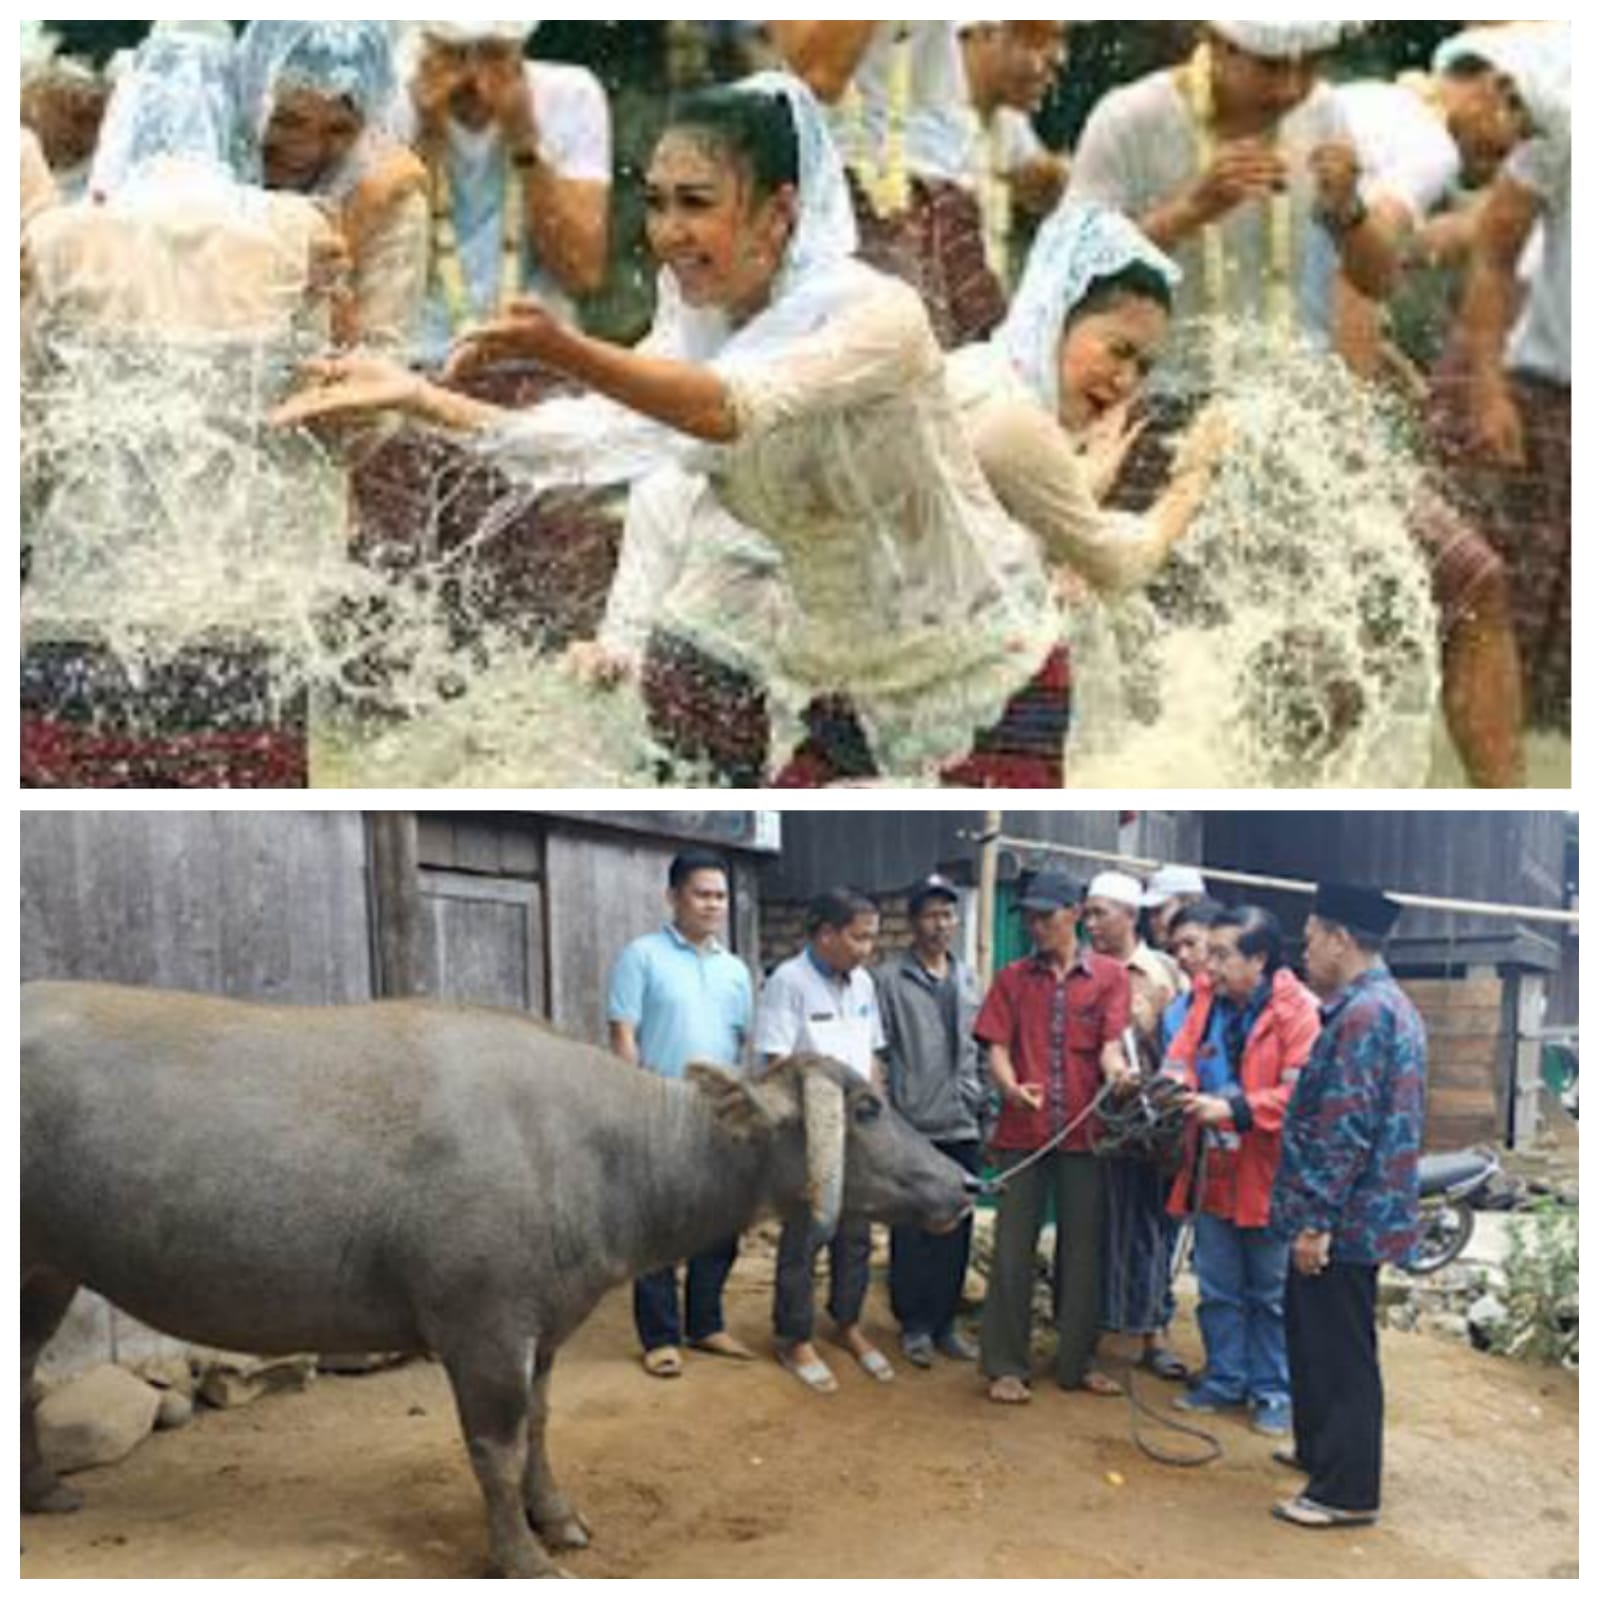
(96, 1418)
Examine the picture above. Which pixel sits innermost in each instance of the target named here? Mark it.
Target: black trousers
(1331, 1323)
(927, 1270)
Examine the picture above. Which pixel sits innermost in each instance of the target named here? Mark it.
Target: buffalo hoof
(571, 1533)
(53, 1498)
(562, 1529)
(530, 1567)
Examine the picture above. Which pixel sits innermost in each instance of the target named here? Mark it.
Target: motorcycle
(1448, 1185)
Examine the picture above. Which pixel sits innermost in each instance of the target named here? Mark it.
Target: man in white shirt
(824, 1002)
(519, 161)
(1516, 322)
(1239, 164)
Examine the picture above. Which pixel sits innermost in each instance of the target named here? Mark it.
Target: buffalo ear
(734, 1102)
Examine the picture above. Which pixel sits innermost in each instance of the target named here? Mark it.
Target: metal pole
(987, 894)
(1292, 885)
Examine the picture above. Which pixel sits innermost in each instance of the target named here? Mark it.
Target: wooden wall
(257, 904)
(1469, 1043)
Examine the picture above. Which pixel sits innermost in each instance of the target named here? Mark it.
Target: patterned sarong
(211, 717)
(1525, 514)
(937, 247)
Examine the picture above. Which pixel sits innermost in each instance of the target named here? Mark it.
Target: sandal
(1303, 1512)
(723, 1344)
(1098, 1384)
(1164, 1364)
(875, 1364)
(812, 1373)
(666, 1361)
(1009, 1391)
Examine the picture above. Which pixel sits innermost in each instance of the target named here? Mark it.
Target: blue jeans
(655, 1299)
(1243, 1272)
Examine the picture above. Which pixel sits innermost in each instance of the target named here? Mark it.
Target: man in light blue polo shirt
(679, 996)
(823, 1002)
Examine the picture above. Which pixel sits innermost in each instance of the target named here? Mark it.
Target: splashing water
(1292, 639)
(1291, 642)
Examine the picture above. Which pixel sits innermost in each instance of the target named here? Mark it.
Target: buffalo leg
(45, 1297)
(552, 1518)
(491, 1384)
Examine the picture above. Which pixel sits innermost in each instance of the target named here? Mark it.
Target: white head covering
(472, 32)
(353, 61)
(175, 104)
(1282, 41)
(1118, 888)
(824, 238)
(1080, 243)
(1171, 882)
(1535, 56)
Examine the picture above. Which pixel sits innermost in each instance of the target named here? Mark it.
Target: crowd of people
(1292, 1113)
(886, 421)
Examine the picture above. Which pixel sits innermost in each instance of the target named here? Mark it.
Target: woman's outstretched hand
(349, 388)
(526, 332)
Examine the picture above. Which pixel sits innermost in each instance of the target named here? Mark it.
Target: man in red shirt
(1053, 1024)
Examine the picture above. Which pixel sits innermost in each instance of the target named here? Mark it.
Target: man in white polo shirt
(823, 1002)
(678, 996)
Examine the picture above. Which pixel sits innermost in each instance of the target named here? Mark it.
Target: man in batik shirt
(1346, 1196)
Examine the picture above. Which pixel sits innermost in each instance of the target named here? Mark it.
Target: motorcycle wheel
(1445, 1231)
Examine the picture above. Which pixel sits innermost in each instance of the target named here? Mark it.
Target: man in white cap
(1137, 1238)
(1239, 163)
(1168, 891)
(519, 164)
(1010, 69)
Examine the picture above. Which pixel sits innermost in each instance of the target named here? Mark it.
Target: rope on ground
(1137, 1407)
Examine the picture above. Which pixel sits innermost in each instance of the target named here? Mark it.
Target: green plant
(1541, 1288)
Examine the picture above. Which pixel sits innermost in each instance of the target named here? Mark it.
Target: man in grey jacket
(929, 1002)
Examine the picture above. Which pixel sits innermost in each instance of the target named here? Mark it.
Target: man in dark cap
(1053, 1024)
(1346, 1197)
(929, 1000)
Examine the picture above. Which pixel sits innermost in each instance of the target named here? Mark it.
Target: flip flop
(1098, 1384)
(875, 1364)
(1009, 1391)
(1303, 1512)
(813, 1373)
(723, 1344)
(1164, 1364)
(666, 1361)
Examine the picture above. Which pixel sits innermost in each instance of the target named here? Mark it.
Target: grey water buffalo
(409, 1176)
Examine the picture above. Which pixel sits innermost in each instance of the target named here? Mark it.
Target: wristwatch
(525, 157)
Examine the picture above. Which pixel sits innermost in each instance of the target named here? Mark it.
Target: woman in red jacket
(1239, 1052)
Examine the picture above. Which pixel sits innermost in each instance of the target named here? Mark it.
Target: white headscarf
(175, 104)
(353, 61)
(1081, 243)
(823, 240)
(1283, 41)
(1534, 56)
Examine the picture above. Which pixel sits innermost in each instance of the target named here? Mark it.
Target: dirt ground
(735, 1471)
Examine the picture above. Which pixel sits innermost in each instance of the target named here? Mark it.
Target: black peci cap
(1362, 910)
